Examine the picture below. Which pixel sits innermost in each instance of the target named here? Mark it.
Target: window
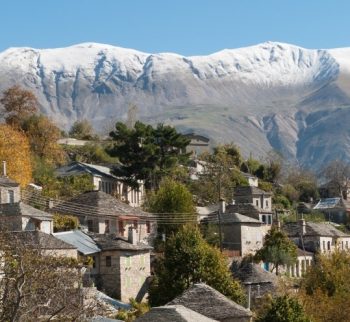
(90, 224)
(142, 260)
(108, 261)
(106, 226)
(128, 261)
(263, 219)
(135, 224)
(148, 227)
(328, 245)
(257, 203)
(266, 203)
(346, 244)
(11, 196)
(121, 227)
(269, 220)
(324, 245)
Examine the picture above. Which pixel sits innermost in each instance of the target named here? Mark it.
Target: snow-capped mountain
(272, 95)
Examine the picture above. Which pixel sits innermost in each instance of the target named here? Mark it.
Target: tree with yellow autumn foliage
(43, 135)
(15, 150)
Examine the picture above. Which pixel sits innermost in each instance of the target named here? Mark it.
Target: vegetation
(147, 153)
(82, 130)
(137, 309)
(18, 104)
(188, 259)
(221, 174)
(33, 285)
(43, 136)
(174, 204)
(15, 150)
(284, 309)
(278, 249)
(64, 222)
(325, 291)
(89, 153)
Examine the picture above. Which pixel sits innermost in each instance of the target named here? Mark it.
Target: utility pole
(221, 210)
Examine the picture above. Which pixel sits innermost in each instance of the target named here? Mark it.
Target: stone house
(198, 144)
(120, 267)
(103, 180)
(46, 243)
(16, 215)
(313, 237)
(256, 280)
(253, 181)
(334, 209)
(304, 260)
(123, 267)
(101, 213)
(242, 233)
(253, 202)
(207, 301)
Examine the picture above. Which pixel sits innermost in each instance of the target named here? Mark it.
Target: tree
(325, 290)
(89, 153)
(147, 153)
(338, 175)
(18, 104)
(82, 130)
(221, 174)
(188, 259)
(285, 309)
(278, 249)
(43, 136)
(66, 187)
(137, 309)
(64, 222)
(174, 204)
(34, 285)
(14, 149)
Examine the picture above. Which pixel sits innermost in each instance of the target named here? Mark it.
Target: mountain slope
(272, 95)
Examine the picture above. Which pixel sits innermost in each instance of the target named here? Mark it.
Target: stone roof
(172, 313)
(111, 242)
(43, 241)
(238, 218)
(245, 208)
(251, 273)
(97, 203)
(22, 209)
(209, 302)
(313, 229)
(249, 190)
(29, 211)
(7, 182)
(301, 253)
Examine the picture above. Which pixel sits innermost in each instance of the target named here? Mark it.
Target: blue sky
(191, 27)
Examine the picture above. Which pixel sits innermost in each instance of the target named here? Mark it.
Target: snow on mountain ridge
(272, 95)
(264, 63)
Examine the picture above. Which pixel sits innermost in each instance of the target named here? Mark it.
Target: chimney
(222, 206)
(132, 236)
(302, 226)
(4, 172)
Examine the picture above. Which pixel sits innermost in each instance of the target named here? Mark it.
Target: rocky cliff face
(272, 95)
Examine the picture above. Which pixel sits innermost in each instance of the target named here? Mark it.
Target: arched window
(328, 245)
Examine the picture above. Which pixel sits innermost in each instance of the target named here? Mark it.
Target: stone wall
(126, 276)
